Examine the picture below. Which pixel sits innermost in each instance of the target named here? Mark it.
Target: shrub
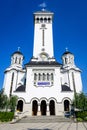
(81, 115)
(79, 119)
(6, 116)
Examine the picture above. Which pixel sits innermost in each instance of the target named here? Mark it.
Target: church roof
(17, 52)
(65, 88)
(20, 89)
(67, 52)
(43, 63)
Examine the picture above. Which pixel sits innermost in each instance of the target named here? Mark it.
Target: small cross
(66, 49)
(18, 48)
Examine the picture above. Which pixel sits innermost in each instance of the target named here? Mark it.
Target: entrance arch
(66, 105)
(34, 107)
(20, 106)
(43, 107)
(52, 107)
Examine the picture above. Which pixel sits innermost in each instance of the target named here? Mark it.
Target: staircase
(43, 119)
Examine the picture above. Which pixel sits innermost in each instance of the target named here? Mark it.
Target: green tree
(3, 100)
(80, 101)
(12, 103)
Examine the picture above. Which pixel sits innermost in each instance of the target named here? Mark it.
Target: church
(43, 85)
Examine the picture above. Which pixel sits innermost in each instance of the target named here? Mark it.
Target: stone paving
(44, 126)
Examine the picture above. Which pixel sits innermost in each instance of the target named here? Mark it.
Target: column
(48, 112)
(39, 110)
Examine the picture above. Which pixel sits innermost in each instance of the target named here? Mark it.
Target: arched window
(35, 76)
(52, 107)
(66, 105)
(51, 76)
(16, 60)
(43, 107)
(49, 20)
(45, 19)
(44, 76)
(19, 60)
(41, 20)
(39, 76)
(48, 76)
(34, 107)
(20, 106)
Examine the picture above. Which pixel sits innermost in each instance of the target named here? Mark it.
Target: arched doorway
(20, 106)
(52, 107)
(43, 107)
(34, 107)
(66, 105)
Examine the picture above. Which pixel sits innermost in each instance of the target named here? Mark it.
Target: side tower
(14, 73)
(71, 73)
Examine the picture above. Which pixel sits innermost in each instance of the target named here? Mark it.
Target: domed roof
(67, 52)
(17, 52)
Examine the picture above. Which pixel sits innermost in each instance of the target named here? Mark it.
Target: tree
(80, 101)
(3, 100)
(12, 103)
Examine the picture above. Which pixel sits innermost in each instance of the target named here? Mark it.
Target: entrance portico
(43, 108)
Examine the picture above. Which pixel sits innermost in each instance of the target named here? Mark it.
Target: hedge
(6, 116)
(81, 115)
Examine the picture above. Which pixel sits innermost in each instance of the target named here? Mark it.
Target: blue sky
(69, 30)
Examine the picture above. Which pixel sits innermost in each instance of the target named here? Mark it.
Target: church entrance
(66, 105)
(52, 107)
(43, 107)
(20, 106)
(34, 107)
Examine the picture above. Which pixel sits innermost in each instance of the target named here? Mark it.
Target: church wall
(78, 82)
(40, 91)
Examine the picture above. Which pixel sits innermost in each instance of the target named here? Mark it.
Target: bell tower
(43, 37)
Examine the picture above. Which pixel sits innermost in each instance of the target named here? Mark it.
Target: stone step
(43, 119)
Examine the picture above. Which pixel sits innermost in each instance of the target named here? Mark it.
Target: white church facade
(43, 86)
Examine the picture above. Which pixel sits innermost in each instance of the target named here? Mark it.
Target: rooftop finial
(18, 48)
(66, 49)
(43, 5)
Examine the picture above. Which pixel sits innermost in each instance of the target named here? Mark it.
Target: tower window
(47, 76)
(49, 20)
(51, 76)
(41, 20)
(20, 61)
(45, 19)
(39, 76)
(35, 76)
(44, 76)
(37, 19)
(16, 60)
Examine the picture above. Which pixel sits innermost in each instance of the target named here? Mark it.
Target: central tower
(43, 37)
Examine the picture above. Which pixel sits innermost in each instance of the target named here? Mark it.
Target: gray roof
(20, 89)
(43, 63)
(17, 52)
(66, 88)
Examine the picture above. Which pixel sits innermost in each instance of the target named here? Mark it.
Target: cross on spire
(18, 48)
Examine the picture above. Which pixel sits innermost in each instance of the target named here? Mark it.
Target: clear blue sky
(69, 28)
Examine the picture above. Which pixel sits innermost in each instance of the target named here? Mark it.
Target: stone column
(39, 110)
(48, 112)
